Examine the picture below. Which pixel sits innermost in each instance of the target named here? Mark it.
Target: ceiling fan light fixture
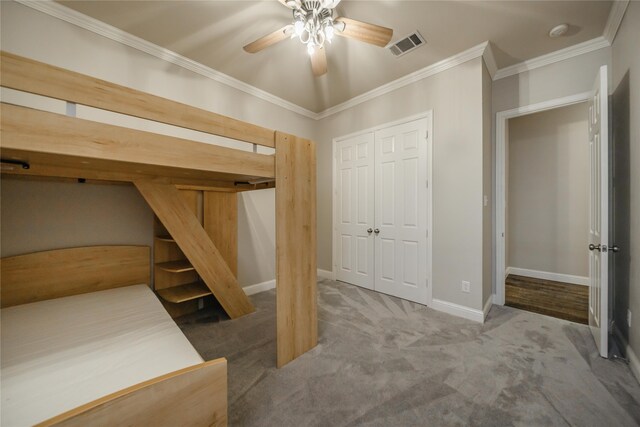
(311, 49)
(329, 32)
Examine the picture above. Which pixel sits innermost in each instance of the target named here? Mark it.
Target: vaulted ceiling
(214, 32)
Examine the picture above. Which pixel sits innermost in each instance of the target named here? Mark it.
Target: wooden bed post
(296, 272)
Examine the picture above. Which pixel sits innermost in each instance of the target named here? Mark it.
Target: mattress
(62, 353)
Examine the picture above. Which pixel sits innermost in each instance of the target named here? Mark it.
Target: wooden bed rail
(194, 396)
(35, 77)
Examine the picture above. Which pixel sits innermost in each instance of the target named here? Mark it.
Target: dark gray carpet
(382, 361)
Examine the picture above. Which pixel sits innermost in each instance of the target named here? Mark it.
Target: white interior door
(401, 211)
(599, 212)
(355, 211)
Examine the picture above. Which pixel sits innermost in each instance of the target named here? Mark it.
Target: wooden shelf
(179, 266)
(184, 293)
(165, 239)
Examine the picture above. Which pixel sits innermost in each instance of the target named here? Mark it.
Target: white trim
(490, 61)
(550, 58)
(501, 161)
(547, 275)
(634, 362)
(458, 310)
(438, 67)
(615, 19)
(334, 248)
(325, 274)
(98, 27)
(487, 307)
(260, 287)
(271, 284)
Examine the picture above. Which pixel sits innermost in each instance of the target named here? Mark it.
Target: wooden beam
(296, 273)
(170, 207)
(36, 77)
(193, 396)
(56, 139)
(221, 224)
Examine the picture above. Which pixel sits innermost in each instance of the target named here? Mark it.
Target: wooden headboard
(64, 272)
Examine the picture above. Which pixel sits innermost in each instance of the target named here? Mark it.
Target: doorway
(547, 212)
(382, 208)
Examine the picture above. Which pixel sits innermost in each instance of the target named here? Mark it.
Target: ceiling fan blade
(290, 3)
(319, 62)
(368, 33)
(269, 39)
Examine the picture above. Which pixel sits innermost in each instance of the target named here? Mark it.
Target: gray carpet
(382, 361)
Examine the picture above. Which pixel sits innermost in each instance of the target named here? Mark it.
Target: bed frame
(196, 395)
(38, 143)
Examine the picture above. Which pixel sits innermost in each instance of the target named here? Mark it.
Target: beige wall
(487, 189)
(27, 32)
(626, 128)
(455, 96)
(43, 215)
(548, 197)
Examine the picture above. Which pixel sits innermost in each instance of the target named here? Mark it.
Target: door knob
(369, 230)
(614, 248)
(593, 247)
(376, 231)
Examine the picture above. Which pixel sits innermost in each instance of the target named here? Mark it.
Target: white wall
(626, 103)
(455, 96)
(35, 35)
(548, 195)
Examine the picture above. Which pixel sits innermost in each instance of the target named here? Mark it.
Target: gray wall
(27, 32)
(626, 137)
(548, 195)
(455, 96)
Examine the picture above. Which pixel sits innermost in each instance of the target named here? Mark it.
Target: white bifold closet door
(382, 212)
(355, 216)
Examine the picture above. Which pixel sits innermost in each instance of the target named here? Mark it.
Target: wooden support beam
(221, 224)
(174, 213)
(296, 273)
(36, 77)
(55, 139)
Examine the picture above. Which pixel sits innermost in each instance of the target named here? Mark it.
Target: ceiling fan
(314, 24)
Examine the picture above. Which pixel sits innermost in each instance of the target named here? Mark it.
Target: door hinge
(426, 135)
(427, 183)
(427, 233)
(426, 281)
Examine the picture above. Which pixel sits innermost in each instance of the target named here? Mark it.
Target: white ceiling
(213, 33)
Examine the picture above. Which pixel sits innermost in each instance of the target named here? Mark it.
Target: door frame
(429, 191)
(502, 138)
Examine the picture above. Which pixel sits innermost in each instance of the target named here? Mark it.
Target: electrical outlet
(466, 287)
(629, 318)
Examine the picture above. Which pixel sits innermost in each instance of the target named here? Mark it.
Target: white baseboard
(458, 310)
(487, 306)
(634, 362)
(260, 287)
(325, 274)
(545, 275)
(271, 284)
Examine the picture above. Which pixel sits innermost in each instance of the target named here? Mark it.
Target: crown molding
(78, 19)
(490, 60)
(553, 57)
(416, 76)
(484, 49)
(616, 14)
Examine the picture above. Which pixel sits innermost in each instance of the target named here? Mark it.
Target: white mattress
(62, 353)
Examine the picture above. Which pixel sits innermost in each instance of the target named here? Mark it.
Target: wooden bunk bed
(37, 143)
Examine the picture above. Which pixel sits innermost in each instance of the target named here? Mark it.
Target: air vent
(407, 44)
